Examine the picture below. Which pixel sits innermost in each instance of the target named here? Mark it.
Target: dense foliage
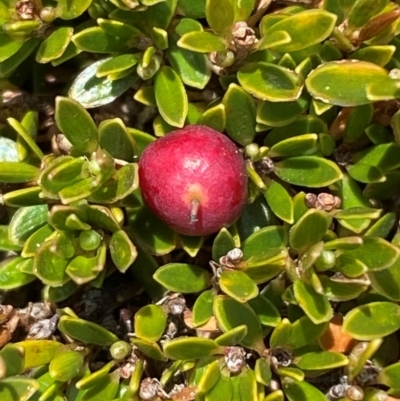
(298, 300)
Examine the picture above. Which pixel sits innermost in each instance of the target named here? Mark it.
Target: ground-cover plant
(296, 300)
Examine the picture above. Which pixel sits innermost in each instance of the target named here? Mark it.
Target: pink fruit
(194, 179)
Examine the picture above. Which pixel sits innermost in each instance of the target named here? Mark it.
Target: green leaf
(91, 91)
(23, 134)
(240, 114)
(76, 124)
(8, 46)
(383, 156)
(280, 202)
(320, 360)
(220, 15)
(265, 310)
(344, 83)
(149, 348)
(301, 145)
(183, 277)
(150, 322)
(192, 8)
(123, 252)
(390, 375)
(363, 10)
(35, 240)
(309, 229)
(221, 391)
(70, 9)
(201, 42)
(38, 352)
(280, 114)
(341, 292)
(97, 40)
(66, 365)
(14, 172)
(203, 308)
(248, 386)
(189, 348)
(116, 64)
(301, 126)
(305, 29)
(86, 332)
(214, 117)
(54, 46)
(231, 313)
(49, 266)
(151, 233)
(316, 306)
(20, 388)
(304, 331)
(171, 96)
(282, 85)
(373, 320)
(255, 249)
(7, 67)
(223, 243)
(26, 221)
(238, 285)
(308, 171)
(192, 67)
(302, 390)
(10, 275)
(13, 359)
(375, 253)
(365, 173)
(114, 137)
(233, 336)
(160, 15)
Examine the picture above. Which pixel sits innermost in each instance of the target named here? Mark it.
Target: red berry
(194, 179)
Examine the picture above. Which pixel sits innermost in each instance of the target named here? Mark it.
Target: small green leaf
(183, 277)
(10, 275)
(220, 15)
(305, 28)
(66, 365)
(201, 42)
(231, 313)
(344, 83)
(38, 352)
(238, 285)
(316, 306)
(91, 91)
(390, 375)
(123, 252)
(221, 391)
(171, 96)
(301, 145)
(188, 348)
(375, 253)
(97, 40)
(149, 348)
(265, 310)
(302, 390)
(8, 45)
(233, 336)
(26, 221)
(192, 67)
(14, 172)
(150, 322)
(76, 124)
(86, 332)
(319, 360)
(262, 372)
(282, 84)
(308, 171)
(373, 320)
(54, 45)
(18, 388)
(49, 266)
(309, 229)
(70, 9)
(151, 233)
(203, 308)
(240, 115)
(280, 202)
